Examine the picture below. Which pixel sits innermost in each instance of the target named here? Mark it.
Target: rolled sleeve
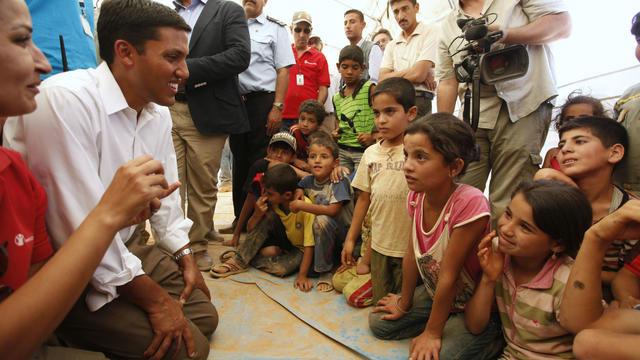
(283, 57)
(430, 44)
(375, 60)
(535, 9)
(444, 63)
(169, 223)
(387, 58)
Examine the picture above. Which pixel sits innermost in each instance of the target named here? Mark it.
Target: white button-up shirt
(81, 133)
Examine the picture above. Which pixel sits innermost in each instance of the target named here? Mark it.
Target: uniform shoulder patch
(276, 21)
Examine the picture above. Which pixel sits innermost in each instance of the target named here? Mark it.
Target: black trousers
(251, 146)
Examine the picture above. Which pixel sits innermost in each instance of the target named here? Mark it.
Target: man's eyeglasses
(306, 30)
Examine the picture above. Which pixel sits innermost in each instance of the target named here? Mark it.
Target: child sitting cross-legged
(331, 202)
(281, 150)
(440, 268)
(280, 241)
(589, 149)
(311, 114)
(526, 270)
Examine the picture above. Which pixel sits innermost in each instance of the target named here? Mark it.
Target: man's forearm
(282, 83)
(323, 92)
(542, 31)
(144, 292)
(447, 94)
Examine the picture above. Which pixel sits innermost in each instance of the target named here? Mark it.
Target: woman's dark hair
(135, 21)
(450, 136)
(576, 97)
(560, 210)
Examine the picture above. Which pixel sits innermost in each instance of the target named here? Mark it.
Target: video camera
(480, 64)
(500, 65)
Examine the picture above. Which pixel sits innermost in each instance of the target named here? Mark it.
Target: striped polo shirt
(356, 107)
(529, 312)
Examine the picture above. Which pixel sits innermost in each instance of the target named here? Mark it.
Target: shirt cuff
(105, 284)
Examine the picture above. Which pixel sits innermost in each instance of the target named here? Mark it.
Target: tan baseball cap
(300, 16)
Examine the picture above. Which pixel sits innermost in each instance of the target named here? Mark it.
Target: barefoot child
(281, 241)
(440, 268)
(384, 190)
(332, 202)
(526, 273)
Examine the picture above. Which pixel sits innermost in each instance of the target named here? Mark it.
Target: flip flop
(232, 269)
(324, 286)
(226, 255)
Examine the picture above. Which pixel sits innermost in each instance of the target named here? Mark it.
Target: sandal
(231, 269)
(324, 286)
(226, 255)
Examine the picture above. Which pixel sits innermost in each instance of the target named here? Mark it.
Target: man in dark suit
(208, 107)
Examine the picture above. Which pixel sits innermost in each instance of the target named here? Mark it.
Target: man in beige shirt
(412, 55)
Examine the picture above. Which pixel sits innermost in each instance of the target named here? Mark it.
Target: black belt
(351, 148)
(425, 94)
(182, 97)
(246, 96)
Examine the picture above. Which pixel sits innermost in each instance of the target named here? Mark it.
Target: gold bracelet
(398, 306)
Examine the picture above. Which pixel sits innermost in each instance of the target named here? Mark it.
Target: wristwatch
(182, 254)
(279, 105)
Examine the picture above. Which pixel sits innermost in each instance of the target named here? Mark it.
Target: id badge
(300, 79)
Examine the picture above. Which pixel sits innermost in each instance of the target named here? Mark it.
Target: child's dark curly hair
(576, 97)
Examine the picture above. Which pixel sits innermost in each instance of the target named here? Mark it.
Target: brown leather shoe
(203, 260)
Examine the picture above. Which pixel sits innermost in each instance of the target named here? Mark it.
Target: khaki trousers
(511, 152)
(198, 159)
(122, 330)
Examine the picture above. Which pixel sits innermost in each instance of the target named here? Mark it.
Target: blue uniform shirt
(270, 50)
(64, 17)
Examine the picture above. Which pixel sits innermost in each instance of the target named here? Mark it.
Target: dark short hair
(355, 11)
(576, 97)
(395, 1)
(610, 132)
(321, 138)
(281, 145)
(351, 52)
(635, 25)
(313, 106)
(450, 136)
(281, 178)
(559, 210)
(382, 31)
(135, 21)
(401, 89)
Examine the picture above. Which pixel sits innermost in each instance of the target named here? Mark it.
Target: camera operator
(515, 114)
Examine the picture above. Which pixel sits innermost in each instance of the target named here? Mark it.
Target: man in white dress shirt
(141, 301)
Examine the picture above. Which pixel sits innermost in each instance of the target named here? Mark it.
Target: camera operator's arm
(447, 93)
(542, 30)
(416, 74)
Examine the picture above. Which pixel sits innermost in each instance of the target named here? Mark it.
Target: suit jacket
(219, 50)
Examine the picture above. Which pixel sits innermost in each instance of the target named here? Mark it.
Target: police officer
(263, 87)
